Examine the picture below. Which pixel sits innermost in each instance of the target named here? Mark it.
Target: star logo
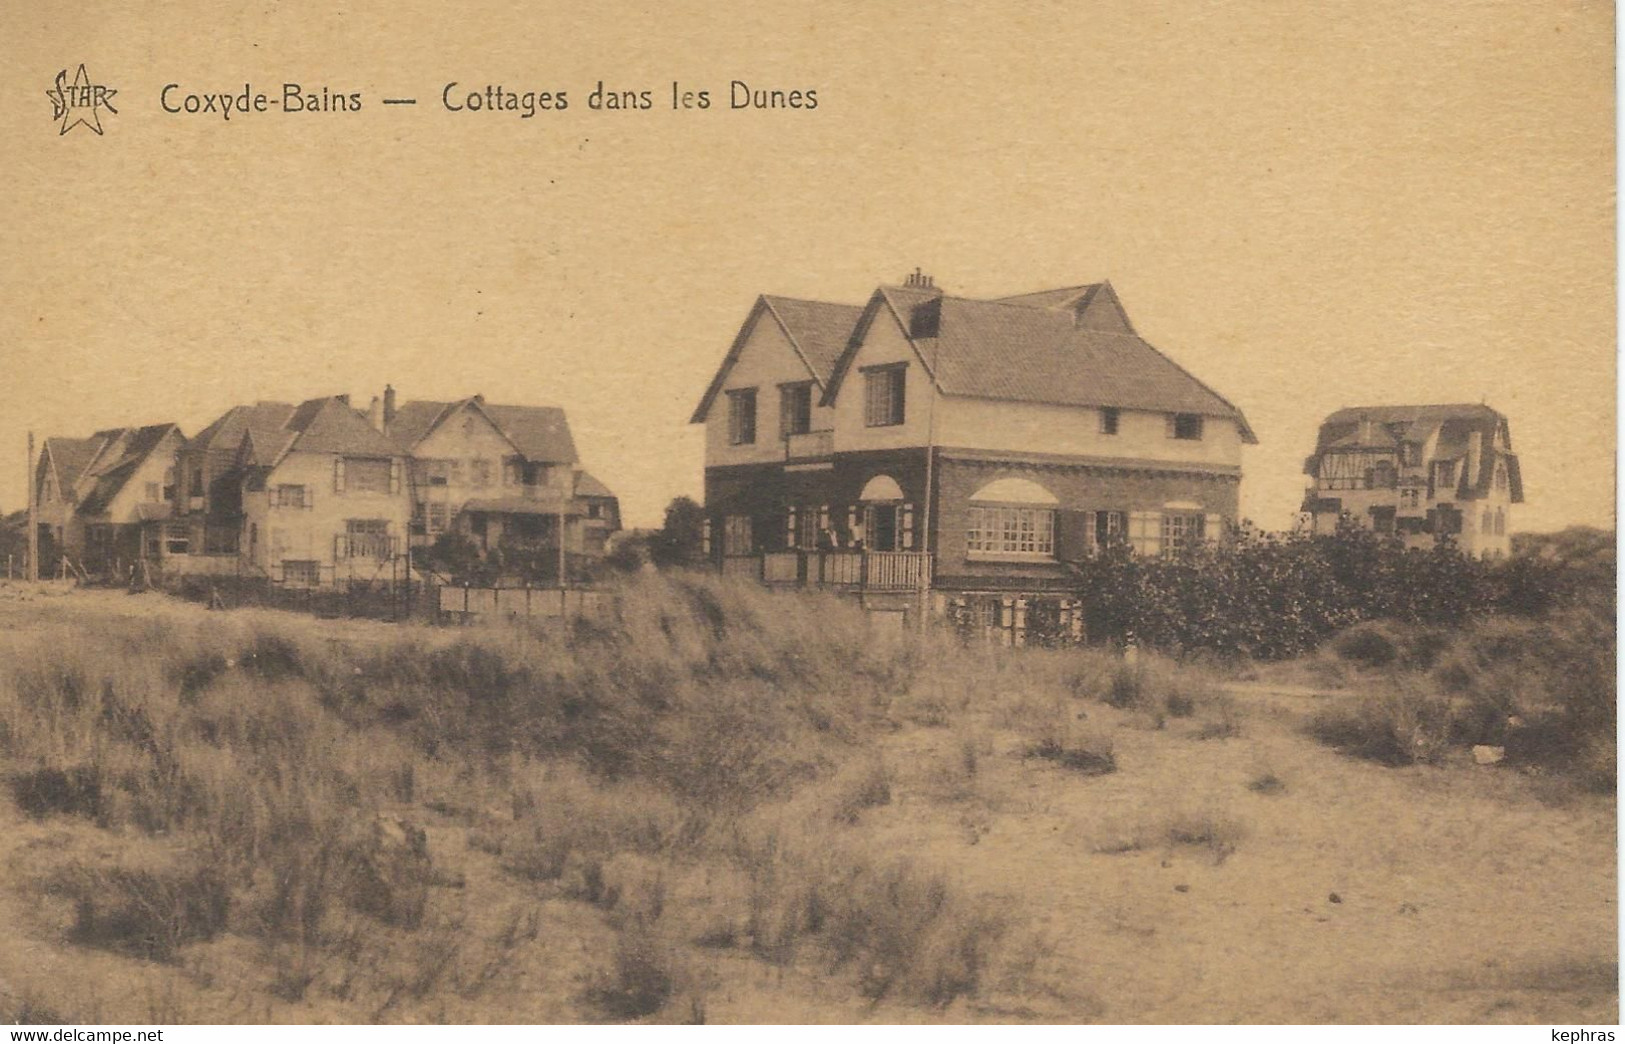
(80, 101)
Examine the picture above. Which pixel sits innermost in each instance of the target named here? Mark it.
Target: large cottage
(972, 445)
(1418, 473)
(104, 502)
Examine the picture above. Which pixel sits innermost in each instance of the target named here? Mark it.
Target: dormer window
(1187, 426)
(1109, 417)
(742, 416)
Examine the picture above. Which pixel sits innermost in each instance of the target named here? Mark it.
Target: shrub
(148, 912)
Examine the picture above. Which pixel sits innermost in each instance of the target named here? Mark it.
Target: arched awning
(881, 489)
(1014, 491)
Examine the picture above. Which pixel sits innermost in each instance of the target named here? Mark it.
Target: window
(290, 496)
(883, 396)
(1145, 532)
(154, 492)
(365, 538)
(305, 573)
(1501, 476)
(1487, 523)
(595, 510)
(795, 409)
(1410, 498)
(1384, 475)
(1185, 426)
(513, 471)
(1109, 527)
(1108, 420)
(736, 535)
(1411, 454)
(1182, 532)
(1006, 530)
(197, 482)
(177, 540)
(433, 472)
(480, 469)
(363, 475)
(742, 417)
(1500, 522)
(1444, 475)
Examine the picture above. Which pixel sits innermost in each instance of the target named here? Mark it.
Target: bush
(148, 912)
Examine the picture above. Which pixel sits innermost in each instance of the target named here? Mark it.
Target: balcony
(840, 570)
(374, 546)
(809, 446)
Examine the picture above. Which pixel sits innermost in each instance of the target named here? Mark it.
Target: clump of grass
(642, 976)
(868, 785)
(148, 912)
(1404, 722)
(75, 790)
(1216, 833)
(906, 932)
(1267, 783)
(1060, 741)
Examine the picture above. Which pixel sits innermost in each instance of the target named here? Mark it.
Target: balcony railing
(809, 445)
(380, 546)
(849, 570)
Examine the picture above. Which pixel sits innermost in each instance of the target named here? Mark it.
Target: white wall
(153, 469)
(883, 343)
(307, 533)
(1034, 428)
(766, 360)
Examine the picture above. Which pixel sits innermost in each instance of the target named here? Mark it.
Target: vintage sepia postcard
(779, 513)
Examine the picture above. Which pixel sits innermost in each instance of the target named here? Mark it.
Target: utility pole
(33, 515)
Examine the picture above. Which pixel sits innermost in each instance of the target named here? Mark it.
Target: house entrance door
(880, 524)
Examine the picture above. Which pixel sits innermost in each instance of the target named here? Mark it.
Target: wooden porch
(843, 570)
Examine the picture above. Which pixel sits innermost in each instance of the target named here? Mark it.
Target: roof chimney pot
(389, 404)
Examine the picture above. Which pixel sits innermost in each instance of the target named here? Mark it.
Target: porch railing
(855, 570)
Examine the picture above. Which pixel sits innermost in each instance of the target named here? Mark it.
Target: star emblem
(80, 101)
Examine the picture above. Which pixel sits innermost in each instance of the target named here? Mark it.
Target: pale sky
(1309, 206)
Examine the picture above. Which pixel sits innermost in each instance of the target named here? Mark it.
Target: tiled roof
(818, 328)
(540, 433)
(587, 486)
(331, 425)
(70, 457)
(263, 422)
(1000, 351)
(112, 470)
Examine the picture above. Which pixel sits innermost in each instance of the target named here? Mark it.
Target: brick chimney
(375, 413)
(389, 405)
(918, 280)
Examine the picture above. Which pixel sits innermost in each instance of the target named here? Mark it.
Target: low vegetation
(707, 802)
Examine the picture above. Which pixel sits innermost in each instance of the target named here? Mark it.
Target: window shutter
(338, 546)
(1212, 527)
(823, 517)
(908, 527)
(1168, 421)
(1074, 535)
(338, 474)
(274, 497)
(851, 522)
(394, 477)
(790, 527)
(308, 497)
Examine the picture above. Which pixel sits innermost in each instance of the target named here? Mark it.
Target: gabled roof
(1044, 348)
(68, 458)
(331, 425)
(263, 422)
(125, 450)
(540, 434)
(587, 486)
(818, 332)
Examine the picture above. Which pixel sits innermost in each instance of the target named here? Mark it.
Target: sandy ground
(1350, 893)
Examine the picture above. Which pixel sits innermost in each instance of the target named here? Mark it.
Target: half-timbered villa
(1419, 473)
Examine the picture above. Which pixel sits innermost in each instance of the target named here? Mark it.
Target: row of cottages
(972, 445)
(320, 492)
(1417, 472)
